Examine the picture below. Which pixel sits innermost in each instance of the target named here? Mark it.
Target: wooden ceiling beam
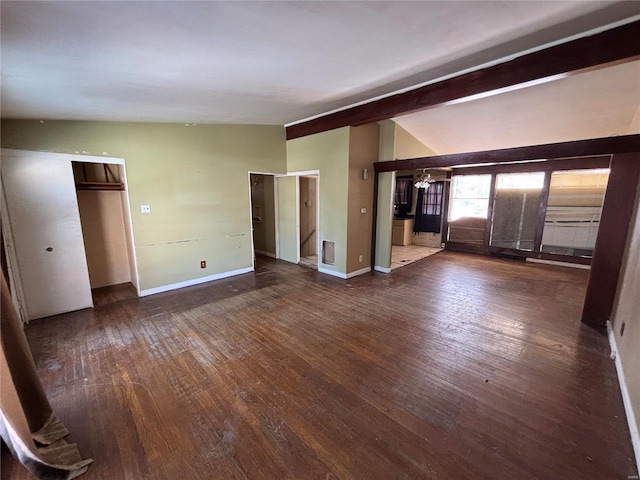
(551, 165)
(575, 149)
(615, 45)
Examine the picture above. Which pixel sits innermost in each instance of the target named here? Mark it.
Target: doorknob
(49, 249)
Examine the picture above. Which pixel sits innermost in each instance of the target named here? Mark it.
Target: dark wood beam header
(608, 254)
(580, 148)
(617, 44)
(551, 165)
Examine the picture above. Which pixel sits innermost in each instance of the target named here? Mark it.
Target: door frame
(307, 173)
(17, 293)
(67, 157)
(316, 177)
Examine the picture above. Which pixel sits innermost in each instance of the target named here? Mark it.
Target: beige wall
(408, 146)
(194, 178)
(363, 152)
(264, 232)
(627, 311)
(635, 123)
(327, 152)
(105, 241)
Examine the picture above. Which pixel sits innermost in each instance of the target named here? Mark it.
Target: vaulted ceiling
(280, 62)
(593, 104)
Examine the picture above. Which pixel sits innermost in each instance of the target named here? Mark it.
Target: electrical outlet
(363, 210)
(361, 258)
(203, 264)
(145, 208)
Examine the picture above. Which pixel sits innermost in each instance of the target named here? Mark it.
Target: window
(470, 196)
(432, 199)
(573, 211)
(429, 209)
(404, 195)
(515, 210)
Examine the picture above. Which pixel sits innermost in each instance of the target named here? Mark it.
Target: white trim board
(195, 281)
(626, 399)
(333, 273)
(301, 173)
(362, 271)
(378, 268)
(344, 276)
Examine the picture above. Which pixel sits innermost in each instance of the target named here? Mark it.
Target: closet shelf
(99, 186)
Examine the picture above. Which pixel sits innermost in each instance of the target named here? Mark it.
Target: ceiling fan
(425, 179)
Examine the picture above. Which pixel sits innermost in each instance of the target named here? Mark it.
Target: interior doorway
(308, 208)
(263, 214)
(101, 193)
(418, 204)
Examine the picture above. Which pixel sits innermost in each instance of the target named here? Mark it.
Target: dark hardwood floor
(455, 367)
(113, 293)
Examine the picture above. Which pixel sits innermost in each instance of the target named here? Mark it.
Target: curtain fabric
(27, 423)
(403, 197)
(429, 209)
(404, 189)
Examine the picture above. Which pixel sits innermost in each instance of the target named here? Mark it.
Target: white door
(288, 219)
(47, 236)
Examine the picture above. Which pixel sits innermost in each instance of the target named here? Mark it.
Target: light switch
(145, 208)
(363, 210)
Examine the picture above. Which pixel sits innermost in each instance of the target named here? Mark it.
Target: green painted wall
(195, 178)
(327, 152)
(386, 184)
(384, 225)
(287, 218)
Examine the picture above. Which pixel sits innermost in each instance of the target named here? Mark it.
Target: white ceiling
(594, 104)
(263, 62)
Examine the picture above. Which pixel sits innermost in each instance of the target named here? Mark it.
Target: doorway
(100, 189)
(308, 208)
(263, 214)
(417, 216)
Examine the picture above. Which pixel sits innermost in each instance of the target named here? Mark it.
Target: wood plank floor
(455, 367)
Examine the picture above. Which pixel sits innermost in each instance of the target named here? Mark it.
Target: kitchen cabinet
(402, 233)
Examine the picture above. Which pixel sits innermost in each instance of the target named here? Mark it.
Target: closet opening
(100, 188)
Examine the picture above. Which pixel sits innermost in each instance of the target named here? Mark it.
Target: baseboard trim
(362, 271)
(266, 254)
(559, 264)
(378, 268)
(626, 399)
(332, 273)
(195, 281)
